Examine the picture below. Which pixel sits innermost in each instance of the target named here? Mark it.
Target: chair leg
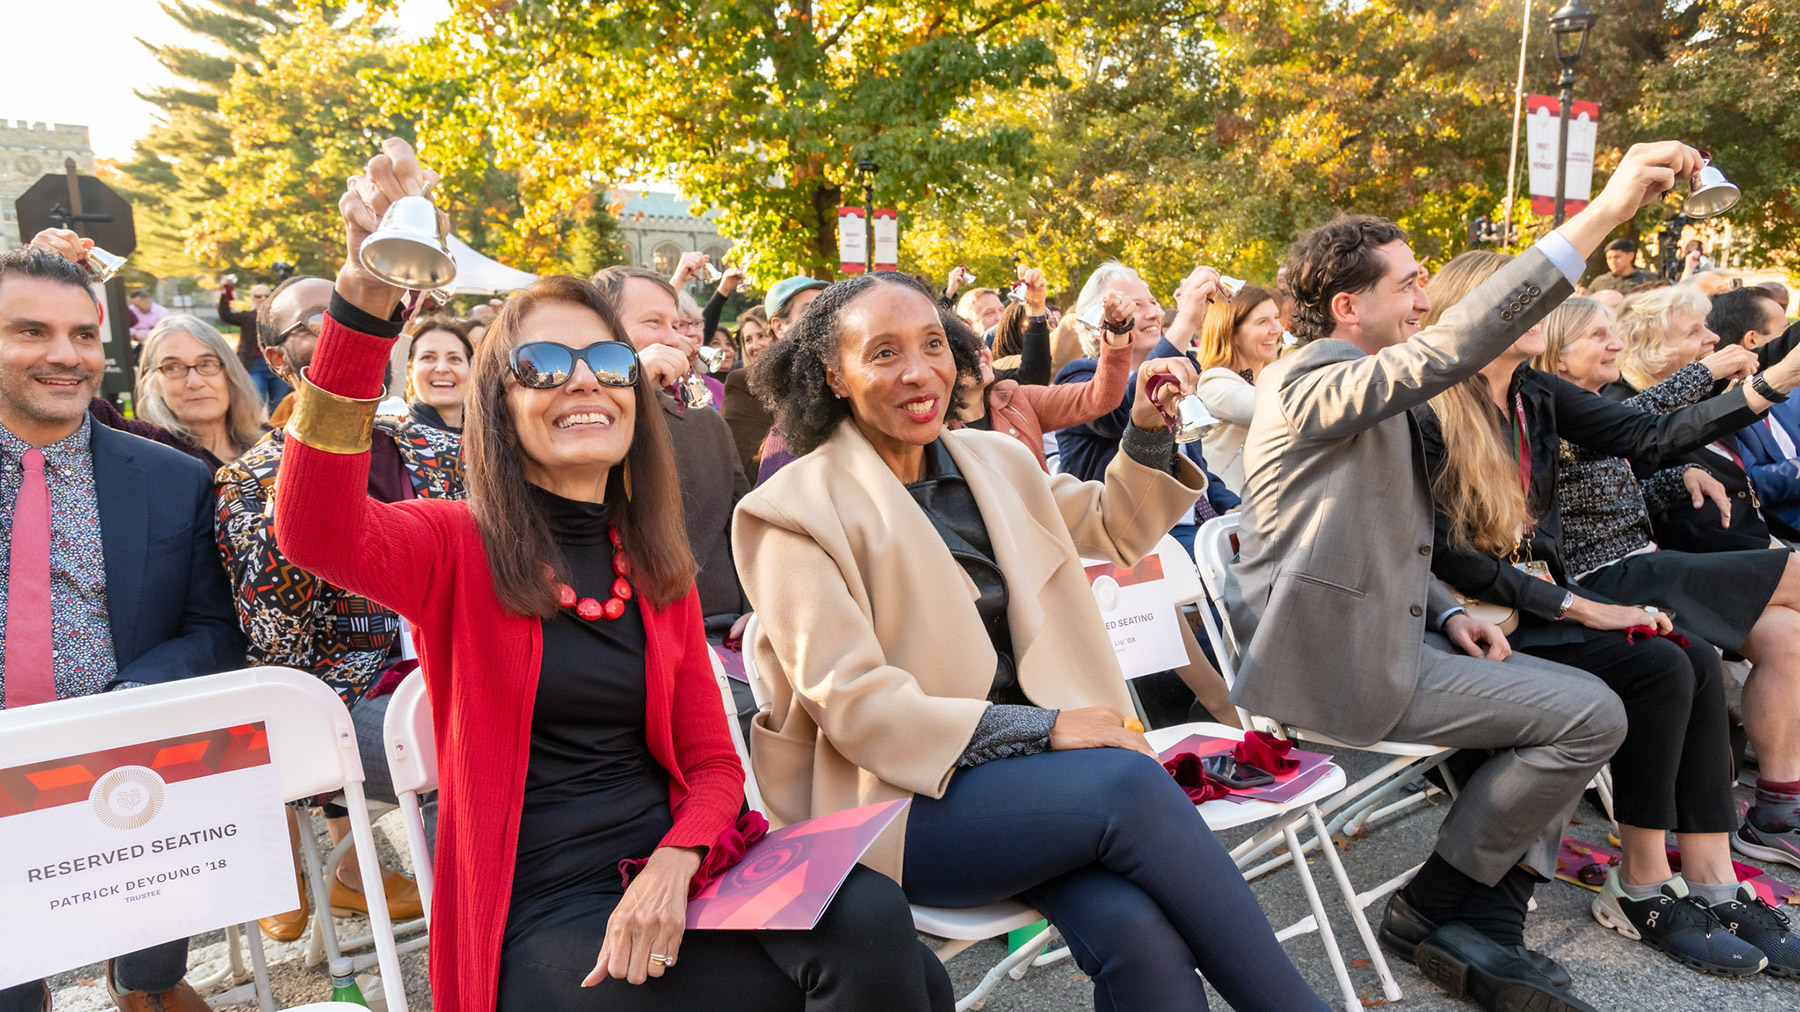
(393, 984)
(1352, 1003)
(324, 931)
(1023, 954)
(1389, 987)
(259, 968)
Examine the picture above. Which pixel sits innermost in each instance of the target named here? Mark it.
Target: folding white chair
(1366, 800)
(1285, 822)
(312, 746)
(959, 927)
(412, 762)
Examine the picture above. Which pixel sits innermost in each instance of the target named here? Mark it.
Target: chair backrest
(1213, 554)
(312, 747)
(751, 793)
(1178, 571)
(758, 690)
(312, 744)
(410, 742)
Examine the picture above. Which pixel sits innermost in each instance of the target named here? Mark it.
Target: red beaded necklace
(593, 610)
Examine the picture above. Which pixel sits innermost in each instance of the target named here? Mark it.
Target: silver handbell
(1709, 193)
(712, 357)
(100, 266)
(694, 391)
(441, 295)
(409, 250)
(712, 274)
(1192, 420)
(1229, 284)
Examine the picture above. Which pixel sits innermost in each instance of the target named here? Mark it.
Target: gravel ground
(1611, 973)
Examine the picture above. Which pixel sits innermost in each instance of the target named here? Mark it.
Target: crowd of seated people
(1478, 511)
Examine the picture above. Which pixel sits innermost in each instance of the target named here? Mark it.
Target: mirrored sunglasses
(545, 365)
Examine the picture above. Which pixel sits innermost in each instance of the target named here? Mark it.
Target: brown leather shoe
(402, 897)
(291, 925)
(180, 998)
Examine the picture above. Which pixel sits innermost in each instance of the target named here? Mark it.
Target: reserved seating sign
(1140, 615)
(110, 852)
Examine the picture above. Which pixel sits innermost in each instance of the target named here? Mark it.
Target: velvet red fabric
(722, 857)
(425, 559)
(1192, 778)
(1266, 752)
(1644, 632)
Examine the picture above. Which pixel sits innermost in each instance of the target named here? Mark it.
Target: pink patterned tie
(30, 671)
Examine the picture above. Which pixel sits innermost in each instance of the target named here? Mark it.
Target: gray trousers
(368, 717)
(1553, 727)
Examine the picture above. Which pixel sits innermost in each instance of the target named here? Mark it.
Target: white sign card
(1140, 615)
(853, 240)
(114, 851)
(887, 239)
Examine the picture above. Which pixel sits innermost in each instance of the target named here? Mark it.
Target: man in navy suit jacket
(137, 593)
(1771, 452)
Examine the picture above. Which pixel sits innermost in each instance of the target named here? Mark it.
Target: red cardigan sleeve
(703, 750)
(325, 521)
(1069, 404)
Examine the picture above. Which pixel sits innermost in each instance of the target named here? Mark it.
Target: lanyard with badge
(1521, 553)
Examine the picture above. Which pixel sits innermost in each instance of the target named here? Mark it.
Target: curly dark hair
(789, 377)
(1338, 256)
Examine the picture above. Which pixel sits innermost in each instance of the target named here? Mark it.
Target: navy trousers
(1105, 844)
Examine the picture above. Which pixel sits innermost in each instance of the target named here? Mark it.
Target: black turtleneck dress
(595, 796)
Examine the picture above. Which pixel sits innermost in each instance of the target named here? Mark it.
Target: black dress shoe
(1468, 964)
(1403, 928)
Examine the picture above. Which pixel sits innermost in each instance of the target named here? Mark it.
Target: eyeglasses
(313, 324)
(175, 372)
(545, 365)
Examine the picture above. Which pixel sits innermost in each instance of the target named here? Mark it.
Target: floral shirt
(79, 626)
(292, 618)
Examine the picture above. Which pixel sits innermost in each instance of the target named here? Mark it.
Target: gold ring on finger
(658, 959)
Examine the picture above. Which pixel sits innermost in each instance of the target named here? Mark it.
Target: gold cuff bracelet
(331, 422)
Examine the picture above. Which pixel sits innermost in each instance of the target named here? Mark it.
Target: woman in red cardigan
(580, 731)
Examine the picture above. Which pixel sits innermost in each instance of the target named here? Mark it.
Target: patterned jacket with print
(291, 617)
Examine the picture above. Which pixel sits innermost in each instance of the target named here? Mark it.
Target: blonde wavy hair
(245, 415)
(1478, 488)
(1643, 326)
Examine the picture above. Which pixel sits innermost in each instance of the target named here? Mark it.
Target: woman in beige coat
(930, 634)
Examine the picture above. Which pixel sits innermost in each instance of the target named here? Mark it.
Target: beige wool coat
(877, 663)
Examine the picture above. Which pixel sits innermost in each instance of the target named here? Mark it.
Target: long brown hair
(1479, 487)
(1223, 317)
(513, 527)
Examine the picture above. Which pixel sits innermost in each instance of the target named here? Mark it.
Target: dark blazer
(166, 596)
(1684, 527)
(1777, 476)
(1086, 450)
(748, 419)
(1556, 409)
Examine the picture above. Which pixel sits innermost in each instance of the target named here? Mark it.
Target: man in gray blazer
(1348, 632)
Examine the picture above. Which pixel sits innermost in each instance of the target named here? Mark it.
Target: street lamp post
(867, 167)
(1569, 28)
